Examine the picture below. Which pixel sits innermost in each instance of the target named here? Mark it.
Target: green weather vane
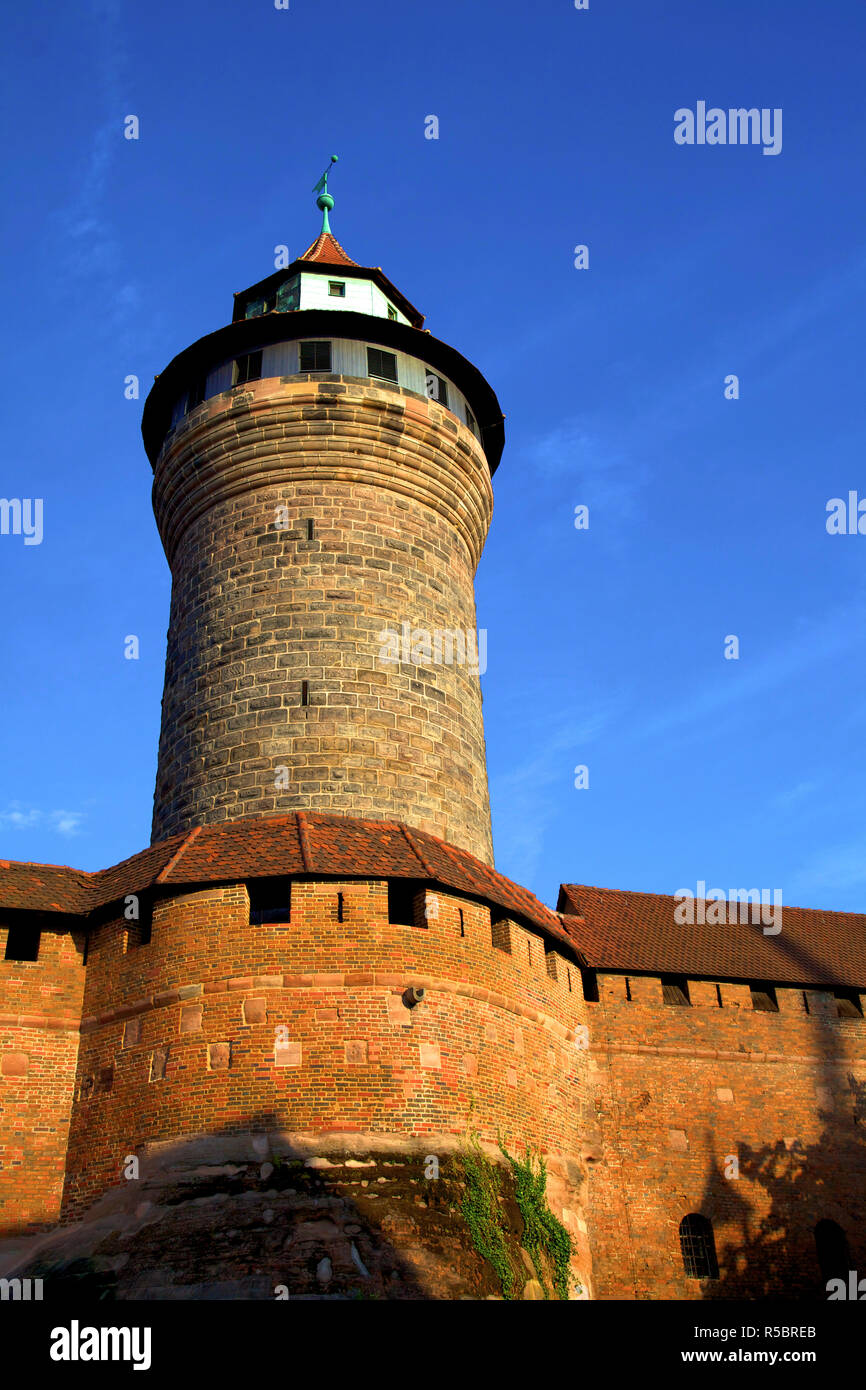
(324, 200)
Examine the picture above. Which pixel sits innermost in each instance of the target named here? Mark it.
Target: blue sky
(707, 516)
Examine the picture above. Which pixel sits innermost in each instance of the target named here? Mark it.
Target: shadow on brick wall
(779, 1255)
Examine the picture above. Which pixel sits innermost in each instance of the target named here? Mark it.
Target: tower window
(270, 901)
(22, 943)
(401, 901)
(341, 907)
(248, 368)
(471, 421)
(848, 1003)
(310, 528)
(698, 1246)
(437, 389)
(315, 357)
(305, 692)
(381, 364)
(675, 990)
(197, 393)
(287, 296)
(764, 998)
(254, 308)
(337, 289)
(831, 1246)
(392, 312)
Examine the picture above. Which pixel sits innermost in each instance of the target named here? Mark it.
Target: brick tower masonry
(323, 531)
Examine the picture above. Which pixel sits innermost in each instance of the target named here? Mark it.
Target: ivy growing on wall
(543, 1235)
(482, 1206)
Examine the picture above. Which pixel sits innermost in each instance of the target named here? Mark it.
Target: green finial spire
(324, 200)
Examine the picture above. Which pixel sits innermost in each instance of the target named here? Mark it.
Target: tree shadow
(775, 1255)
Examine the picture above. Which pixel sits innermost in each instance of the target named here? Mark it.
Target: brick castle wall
(399, 495)
(184, 1036)
(678, 1091)
(39, 1021)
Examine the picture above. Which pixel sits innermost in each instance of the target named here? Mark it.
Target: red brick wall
(491, 1046)
(677, 1091)
(40, 1010)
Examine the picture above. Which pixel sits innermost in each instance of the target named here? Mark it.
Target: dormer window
(381, 364)
(287, 296)
(337, 289)
(315, 357)
(248, 368)
(255, 307)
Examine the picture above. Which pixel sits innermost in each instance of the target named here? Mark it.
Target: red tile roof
(43, 887)
(292, 845)
(621, 931)
(328, 250)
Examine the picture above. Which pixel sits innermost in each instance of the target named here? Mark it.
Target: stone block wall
(279, 691)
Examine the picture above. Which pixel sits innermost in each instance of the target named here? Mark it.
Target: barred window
(698, 1247)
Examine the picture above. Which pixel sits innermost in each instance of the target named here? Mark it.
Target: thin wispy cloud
(523, 797)
(19, 816)
(749, 679)
(603, 474)
(89, 242)
(835, 868)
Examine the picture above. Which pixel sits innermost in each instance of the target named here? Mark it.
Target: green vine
(482, 1211)
(543, 1234)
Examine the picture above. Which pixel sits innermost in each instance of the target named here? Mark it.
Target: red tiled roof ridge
(187, 840)
(417, 853)
(303, 839)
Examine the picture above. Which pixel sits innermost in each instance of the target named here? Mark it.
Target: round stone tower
(322, 487)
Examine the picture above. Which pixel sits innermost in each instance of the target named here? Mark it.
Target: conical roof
(327, 250)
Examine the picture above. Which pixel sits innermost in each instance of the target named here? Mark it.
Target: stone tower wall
(399, 495)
